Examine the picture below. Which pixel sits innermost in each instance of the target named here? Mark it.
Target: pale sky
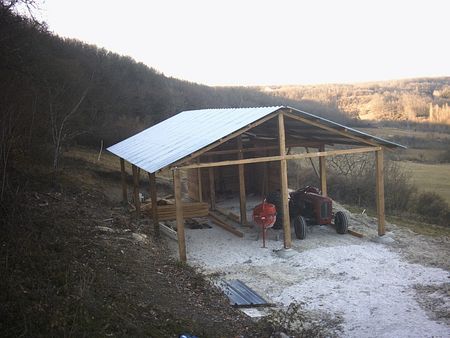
(251, 42)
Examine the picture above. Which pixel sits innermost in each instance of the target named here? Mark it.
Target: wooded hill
(55, 91)
(418, 100)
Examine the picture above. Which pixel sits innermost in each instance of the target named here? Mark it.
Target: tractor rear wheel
(300, 227)
(341, 222)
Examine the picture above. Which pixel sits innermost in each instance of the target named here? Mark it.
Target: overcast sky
(249, 42)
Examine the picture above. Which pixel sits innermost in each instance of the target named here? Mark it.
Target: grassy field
(430, 177)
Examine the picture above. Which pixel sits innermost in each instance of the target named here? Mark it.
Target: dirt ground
(394, 286)
(74, 262)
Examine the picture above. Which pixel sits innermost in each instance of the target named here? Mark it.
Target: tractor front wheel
(300, 227)
(341, 222)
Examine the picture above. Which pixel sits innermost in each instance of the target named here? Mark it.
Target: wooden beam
(265, 180)
(212, 189)
(225, 139)
(217, 221)
(323, 172)
(123, 176)
(137, 201)
(284, 183)
(380, 191)
(330, 129)
(179, 215)
(242, 193)
(153, 196)
(199, 183)
(280, 157)
(200, 186)
(256, 149)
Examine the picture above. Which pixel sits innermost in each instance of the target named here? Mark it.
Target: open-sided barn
(242, 150)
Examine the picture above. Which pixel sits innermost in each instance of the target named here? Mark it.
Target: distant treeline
(417, 100)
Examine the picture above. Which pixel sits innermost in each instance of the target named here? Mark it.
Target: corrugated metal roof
(187, 132)
(352, 131)
(240, 295)
(181, 135)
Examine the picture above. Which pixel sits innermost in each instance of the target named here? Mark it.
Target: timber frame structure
(240, 137)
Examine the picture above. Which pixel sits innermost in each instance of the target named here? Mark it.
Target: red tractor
(308, 207)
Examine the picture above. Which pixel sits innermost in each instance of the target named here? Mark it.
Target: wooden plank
(137, 201)
(123, 176)
(242, 193)
(212, 189)
(323, 172)
(169, 232)
(153, 196)
(229, 214)
(380, 191)
(284, 184)
(354, 233)
(225, 139)
(216, 220)
(168, 212)
(280, 157)
(330, 129)
(179, 215)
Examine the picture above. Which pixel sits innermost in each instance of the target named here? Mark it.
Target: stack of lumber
(167, 212)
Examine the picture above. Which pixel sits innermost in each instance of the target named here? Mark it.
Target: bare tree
(349, 165)
(60, 116)
(8, 137)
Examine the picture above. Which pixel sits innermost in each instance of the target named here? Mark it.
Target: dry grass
(389, 132)
(107, 160)
(430, 177)
(420, 227)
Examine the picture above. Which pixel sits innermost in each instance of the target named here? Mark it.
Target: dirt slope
(73, 263)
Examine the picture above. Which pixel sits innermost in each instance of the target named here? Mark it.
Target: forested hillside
(58, 91)
(418, 100)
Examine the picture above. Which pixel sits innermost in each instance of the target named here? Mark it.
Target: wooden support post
(123, 176)
(153, 196)
(242, 193)
(380, 191)
(179, 215)
(199, 182)
(323, 172)
(265, 183)
(284, 183)
(137, 201)
(212, 189)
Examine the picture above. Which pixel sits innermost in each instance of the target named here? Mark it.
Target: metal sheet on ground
(241, 295)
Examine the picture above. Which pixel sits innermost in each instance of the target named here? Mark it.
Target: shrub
(352, 181)
(297, 321)
(433, 207)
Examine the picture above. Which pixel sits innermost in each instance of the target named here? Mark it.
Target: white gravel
(367, 283)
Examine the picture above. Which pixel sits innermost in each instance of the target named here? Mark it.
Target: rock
(285, 253)
(139, 237)
(383, 239)
(105, 229)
